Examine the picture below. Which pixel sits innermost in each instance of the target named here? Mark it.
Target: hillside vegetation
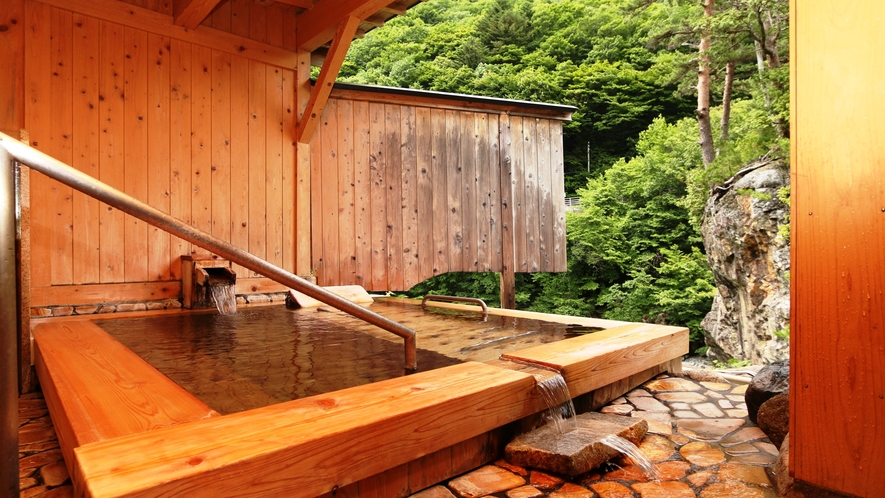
(645, 76)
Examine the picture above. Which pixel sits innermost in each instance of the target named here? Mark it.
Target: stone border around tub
(161, 304)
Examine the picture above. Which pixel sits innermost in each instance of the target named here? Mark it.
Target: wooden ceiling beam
(317, 26)
(319, 94)
(304, 4)
(190, 13)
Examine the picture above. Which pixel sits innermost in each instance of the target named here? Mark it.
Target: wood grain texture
(220, 170)
(12, 65)
(86, 150)
(61, 145)
(598, 359)
(378, 197)
(158, 153)
(112, 146)
(104, 293)
(362, 192)
(393, 181)
(201, 138)
(440, 255)
(346, 191)
(160, 23)
(328, 202)
(409, 196)
(398, 419)
(467, 186)
(257, 158)
(179, 148)
(37, 121)
(274, 166)
(239, 156)
(135, 126)
(424, 192)
(837, 391)
(90, 379)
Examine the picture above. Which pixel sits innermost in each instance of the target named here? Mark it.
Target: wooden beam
(78, 361)
(304, 4)
(317, 25)
(324, 442)
(375, 21)
(190, 13)
(161, 24)
(302, 170)
(323, 87)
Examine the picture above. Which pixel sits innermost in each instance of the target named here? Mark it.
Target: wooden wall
(201, 133)
(837, 395)
(404, 190)
(200, 124)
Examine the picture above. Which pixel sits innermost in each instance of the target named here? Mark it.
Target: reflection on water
(262, 356)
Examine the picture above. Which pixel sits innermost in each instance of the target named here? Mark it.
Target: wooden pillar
(302, 171)
(508, 277)
(837, 386)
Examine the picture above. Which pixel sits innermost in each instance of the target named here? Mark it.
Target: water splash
(632, 451)
(560, 409)
(223, 293)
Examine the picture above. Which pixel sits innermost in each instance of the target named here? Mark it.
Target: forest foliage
(632, 150)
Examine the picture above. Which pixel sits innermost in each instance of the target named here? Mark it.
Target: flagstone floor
(699, 437)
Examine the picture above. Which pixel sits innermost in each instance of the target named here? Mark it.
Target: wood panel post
(302, 170)
(837, 344)
(508, 277)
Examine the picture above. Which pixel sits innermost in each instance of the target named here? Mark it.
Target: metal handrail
(455, 299)
(78, 180)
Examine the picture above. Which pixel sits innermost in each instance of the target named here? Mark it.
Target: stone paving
(42, 470)
(699, 437)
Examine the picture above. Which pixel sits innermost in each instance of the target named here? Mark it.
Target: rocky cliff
(751, 263)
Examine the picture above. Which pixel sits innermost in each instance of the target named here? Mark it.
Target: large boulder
(750, 260)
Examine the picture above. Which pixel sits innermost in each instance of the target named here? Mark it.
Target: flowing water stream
(560, 409)
(223, 292)
(635, 454)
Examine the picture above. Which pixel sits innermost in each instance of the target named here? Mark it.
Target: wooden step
(97, 389)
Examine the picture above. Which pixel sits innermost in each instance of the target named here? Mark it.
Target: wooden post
(508, 277)
(302, 170)
(837, 344)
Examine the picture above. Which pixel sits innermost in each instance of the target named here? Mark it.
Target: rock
(574, 452)
(787, 487)
(131, 307)
(774, 418)
(750, 264)
(770, 381)
(485, 481)
(434, 492)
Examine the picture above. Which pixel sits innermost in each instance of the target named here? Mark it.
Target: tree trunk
(726, 99)
(703, 110)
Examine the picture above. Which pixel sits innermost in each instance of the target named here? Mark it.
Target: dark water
(266, 355)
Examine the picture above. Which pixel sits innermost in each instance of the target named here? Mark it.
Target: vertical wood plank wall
(837, 395)
(405, 191)
(202, 134)
(399, 191)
